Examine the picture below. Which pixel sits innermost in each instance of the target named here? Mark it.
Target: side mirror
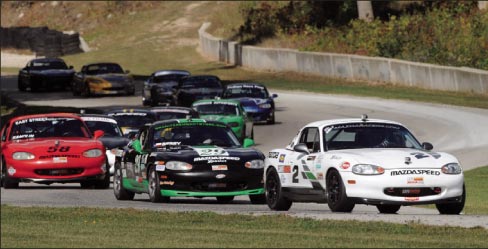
(127, 71)
(427, 146)
(301, 147)
(274, 95)
(98, 134)
(248, 142)
(70, 67)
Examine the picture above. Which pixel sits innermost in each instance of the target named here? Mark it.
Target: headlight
(233, 124)
(177, 165)
(451, 169)
(367, 169)
(23, 156)
(265, 106)
(255, 164)
(92, 153)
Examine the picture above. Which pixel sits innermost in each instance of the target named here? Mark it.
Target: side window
(4, 133)
(310, 137)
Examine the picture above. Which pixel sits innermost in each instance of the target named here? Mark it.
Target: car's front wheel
(337, 199)
(155, 187)
(119, 191)
(5, 181)
(388, 209)
(20, 84)
(452, 208)
(274, 195)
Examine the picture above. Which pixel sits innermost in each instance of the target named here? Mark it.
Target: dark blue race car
(255, 99)
(45, 73)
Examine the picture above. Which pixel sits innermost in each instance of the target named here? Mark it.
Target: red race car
(48, 148)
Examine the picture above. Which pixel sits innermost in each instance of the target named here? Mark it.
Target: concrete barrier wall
(354, 67)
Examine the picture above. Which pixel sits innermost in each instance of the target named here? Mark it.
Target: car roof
(101, 63)
(187, 121)
(43, 115)
(46, 60)
(172, 108)
(171, 71)
(322, 123)
(128, 110)
(245, 84)
(216, 101)
(202, 76)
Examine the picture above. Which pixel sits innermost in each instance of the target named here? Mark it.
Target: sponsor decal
(53, 156)
(320, 176)
(434, 155)
(211, 151)
(171, 183)
(11, 171)
(359, 125)
(412, 180)
(99, 119)
(413, 191)
(245, 86)
(284, 168)
(334, 157)
(43, 119)
(128, 114)
(160, 167)
(60, 159)
(216, 159)
(22, 136)
(310, 158)
(220, 176)
(171, 143)
(219, 167)
(415, 172)
(282, 158)
(412, 198)
(318, 166)
(273, 154)
(419, 155)
(162, 127)
(345, 165)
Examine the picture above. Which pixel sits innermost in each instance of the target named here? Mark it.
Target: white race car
(345, 162)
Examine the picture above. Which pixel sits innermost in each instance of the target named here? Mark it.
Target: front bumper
(260, 115)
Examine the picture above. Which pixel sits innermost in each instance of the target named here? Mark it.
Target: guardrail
(354, 67)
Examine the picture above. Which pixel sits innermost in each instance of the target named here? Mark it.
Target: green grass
(129, 228)
(476, 186)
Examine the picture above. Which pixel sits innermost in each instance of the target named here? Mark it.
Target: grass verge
(109, 228)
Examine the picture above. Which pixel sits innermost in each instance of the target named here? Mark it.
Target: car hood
(112, 77)
(246, 101)
(53, 72)
(209, 154)
(114, 142)
(395, 158)
(40, 146)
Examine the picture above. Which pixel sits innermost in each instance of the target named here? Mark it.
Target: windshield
(109, 129)
(48, 127)
(246, 91)
(170, 115)
(368, 135)
(201, 83)
(38, 65)
(193, 135)
(217, 109)
(132, 119)
(103, 69)
(169, 78)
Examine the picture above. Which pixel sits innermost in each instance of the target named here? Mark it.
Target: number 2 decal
(61, 149)
(295, 174)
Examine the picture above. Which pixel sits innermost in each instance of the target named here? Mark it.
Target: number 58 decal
(60, 149)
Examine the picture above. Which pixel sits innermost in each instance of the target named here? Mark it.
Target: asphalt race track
(458, 130)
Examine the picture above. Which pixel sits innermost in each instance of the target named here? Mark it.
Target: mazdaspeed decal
(414, 172)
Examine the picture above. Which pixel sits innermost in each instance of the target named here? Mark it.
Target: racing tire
(105, 182)
(272, 120)
(337, 199)
(224, 199)
(452, 208)
(154, 187)
(388, 209)
(20, 85)
(119, 191)
(86, 91)
(5, 180)
(258, 199)
(274, 196)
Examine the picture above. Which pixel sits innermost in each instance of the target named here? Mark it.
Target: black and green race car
(189, 158)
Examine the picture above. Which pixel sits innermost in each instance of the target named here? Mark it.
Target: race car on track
(45, 73)
(255, 99)
(102, 79)
(48, 148)
(226, 111)
(197, 87)
(174, 112)
(160, 86)
(362, 161)
(131, 120)
(113, 138)
(189, 158)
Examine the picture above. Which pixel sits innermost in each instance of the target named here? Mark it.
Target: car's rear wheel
(274, 195)
(5, 181)
(224, 199)
(258, 199)
(155, 187)
(452, 208)
(119, 191)
(388, 209)
(337, 199)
